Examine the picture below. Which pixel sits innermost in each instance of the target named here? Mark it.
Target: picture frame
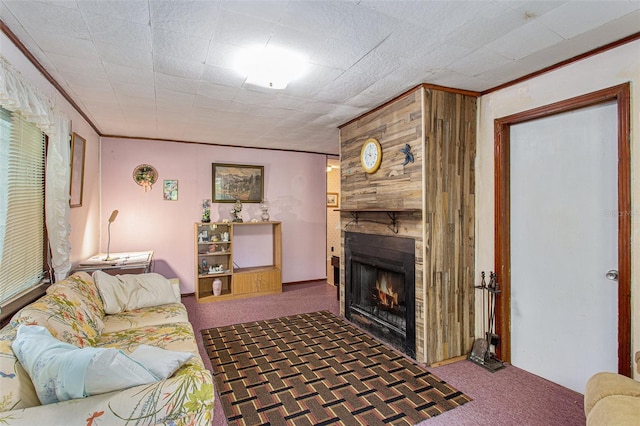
(76, 186)
(332, 199)
(170, 190)
(231, 182)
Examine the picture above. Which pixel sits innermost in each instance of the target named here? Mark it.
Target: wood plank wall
(440, 128)
(449, 220)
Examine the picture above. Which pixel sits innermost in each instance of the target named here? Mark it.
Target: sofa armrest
(602, 385)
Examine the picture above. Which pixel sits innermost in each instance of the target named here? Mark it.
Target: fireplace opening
(380, 287)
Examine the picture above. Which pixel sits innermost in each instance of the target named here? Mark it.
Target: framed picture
(332, 199)
(233, 182)
(170, 190)
(78, 146)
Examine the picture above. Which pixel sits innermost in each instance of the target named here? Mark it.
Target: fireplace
(380, 287)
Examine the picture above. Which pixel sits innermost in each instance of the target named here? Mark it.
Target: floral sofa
(73, 312)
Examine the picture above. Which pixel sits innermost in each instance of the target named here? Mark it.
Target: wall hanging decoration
(170, 189)
(233, 182)
(408, 155)
(332, 199)
(78, 146)
(145, 176)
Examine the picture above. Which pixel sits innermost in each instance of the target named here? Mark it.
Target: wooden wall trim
(23, 49)
(214, 144)
(620, 94)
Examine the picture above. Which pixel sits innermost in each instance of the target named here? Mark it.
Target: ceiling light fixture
(270, 67)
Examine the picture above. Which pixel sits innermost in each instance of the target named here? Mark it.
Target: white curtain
(17, 94)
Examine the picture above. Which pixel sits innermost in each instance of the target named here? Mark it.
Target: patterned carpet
(318, 369)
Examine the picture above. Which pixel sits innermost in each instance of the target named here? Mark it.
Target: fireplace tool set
(481, 352)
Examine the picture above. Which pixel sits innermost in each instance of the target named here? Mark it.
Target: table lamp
(112, 219)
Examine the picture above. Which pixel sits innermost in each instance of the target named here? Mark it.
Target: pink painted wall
(295, 185)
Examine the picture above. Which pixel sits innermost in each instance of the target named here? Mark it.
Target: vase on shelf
(217, 287)
(264, 206)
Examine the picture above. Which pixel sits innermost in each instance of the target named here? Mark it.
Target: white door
(564, 233)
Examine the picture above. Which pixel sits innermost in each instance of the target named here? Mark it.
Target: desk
(127, 262)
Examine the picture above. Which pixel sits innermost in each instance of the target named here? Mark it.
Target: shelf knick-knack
(217, 287)
(206, 211)
(264, 206)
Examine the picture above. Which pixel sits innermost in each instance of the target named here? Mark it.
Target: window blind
(22, 159)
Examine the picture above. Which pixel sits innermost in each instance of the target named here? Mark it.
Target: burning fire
(386, 295)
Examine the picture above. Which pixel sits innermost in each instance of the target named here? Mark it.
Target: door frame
(502, 129)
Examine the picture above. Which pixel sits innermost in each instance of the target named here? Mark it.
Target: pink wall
(295, 185)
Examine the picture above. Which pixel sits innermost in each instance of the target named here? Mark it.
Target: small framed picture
(170, 190)
(332, 199)
(78, 146)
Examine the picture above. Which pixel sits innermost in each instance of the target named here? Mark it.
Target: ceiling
(163, 69)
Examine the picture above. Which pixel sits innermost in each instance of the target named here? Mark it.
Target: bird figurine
(408, 155)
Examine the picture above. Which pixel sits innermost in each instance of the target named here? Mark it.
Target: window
(22, 226)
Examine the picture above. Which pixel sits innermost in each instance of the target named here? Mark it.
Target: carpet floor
(318, 369)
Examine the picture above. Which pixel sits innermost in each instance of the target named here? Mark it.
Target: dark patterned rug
(318, 369)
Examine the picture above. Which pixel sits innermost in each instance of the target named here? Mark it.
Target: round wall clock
(371, 155)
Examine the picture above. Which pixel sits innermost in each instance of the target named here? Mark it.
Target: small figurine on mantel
(235, 212)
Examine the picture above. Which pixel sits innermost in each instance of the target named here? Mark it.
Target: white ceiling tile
(126, 91)
(65, 45)
(119, 32)
(242, 30)
(524, 41)
(216, 91)
(584, 16)
(181, 46)
(167, 97)
(205, 102)
(316, 17)
(265, 10)
(197, 18)
(124, 74)
(130, 56)
(221, 76)
(135, 11)
(177, 67)
(178, 84)
(53, 17)
(480, 61)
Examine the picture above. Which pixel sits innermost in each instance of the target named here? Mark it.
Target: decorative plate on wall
(145, 176)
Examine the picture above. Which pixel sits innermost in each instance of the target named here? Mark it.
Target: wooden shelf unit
(236, 282)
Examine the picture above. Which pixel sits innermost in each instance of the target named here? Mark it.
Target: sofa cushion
(145, 317)
(60, 371)
(128, 292)
(81, 284)
(174, 337)
(161, 362)
(66, 315)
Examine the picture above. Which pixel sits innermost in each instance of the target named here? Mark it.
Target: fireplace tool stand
(481, 352)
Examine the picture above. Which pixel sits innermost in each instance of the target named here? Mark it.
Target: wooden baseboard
(449, 361)
(305, 282)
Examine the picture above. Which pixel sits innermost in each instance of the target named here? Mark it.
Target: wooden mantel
(355, 213)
